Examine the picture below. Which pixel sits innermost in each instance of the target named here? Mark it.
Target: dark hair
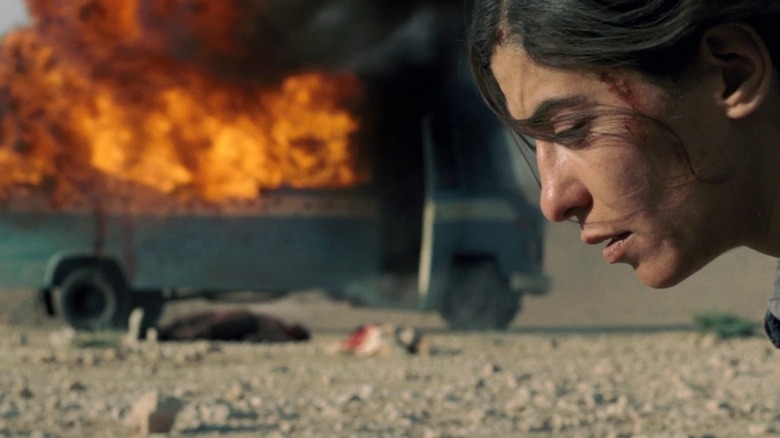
(659, 38)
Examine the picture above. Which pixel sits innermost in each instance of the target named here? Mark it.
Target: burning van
(160, 149)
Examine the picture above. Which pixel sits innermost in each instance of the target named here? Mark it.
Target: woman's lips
(616, 248)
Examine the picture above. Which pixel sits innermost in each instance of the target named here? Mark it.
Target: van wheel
(89, 298)
(478, 297)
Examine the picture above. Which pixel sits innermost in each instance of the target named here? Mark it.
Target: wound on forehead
(620, 87)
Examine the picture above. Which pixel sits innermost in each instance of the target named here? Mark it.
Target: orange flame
(89, 102)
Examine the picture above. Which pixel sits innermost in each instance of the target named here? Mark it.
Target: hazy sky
(12, 14)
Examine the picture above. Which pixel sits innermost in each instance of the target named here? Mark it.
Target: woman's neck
(768, 177)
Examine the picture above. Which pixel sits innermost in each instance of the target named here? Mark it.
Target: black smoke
(272, 39)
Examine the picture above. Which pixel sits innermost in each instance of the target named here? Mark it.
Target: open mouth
(619, 238)
(615, 249)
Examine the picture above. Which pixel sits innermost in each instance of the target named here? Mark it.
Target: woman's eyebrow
(549, 107)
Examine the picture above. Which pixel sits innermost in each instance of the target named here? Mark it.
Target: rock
(255, 402)
(87, 360)
(152, 335)
(75, 386)
(154, 413)
(490, 369)
(62, 339)
(708, 340)
(217, 413)
(236, 392)
(520, 400)
(110, 355)
(476, 415)
(759, 429)
(23, 391)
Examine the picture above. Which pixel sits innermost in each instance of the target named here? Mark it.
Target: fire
(100, 97)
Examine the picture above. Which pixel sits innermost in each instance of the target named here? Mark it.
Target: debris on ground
(383, 339)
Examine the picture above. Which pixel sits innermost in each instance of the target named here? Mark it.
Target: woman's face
(618, 154)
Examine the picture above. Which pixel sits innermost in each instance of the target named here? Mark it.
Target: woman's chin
(661, 277)
(668, 268)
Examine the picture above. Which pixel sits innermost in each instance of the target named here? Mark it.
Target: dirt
(599, 356)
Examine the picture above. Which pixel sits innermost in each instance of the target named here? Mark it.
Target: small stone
(520, 400)
(365, 392)
(255, 402)
(476, 416)
(286, 427)
(713, 406)
(236, 392)
(708, 340)
(490, 369)
(89, 360)
(422, 346)
(154, 413)
(758, 429)
(430, 433)
(510, 381)
(152, 335)
(62, 339)
(110, 355)
(24, 392)
(76, 386)
(217, 413)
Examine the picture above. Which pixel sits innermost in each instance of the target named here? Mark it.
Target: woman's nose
(563, 194)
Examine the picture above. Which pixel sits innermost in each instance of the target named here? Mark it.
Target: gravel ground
(623, 362)
(662, 384)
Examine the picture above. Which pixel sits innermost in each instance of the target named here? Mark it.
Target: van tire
(478, 297)
(90, 298)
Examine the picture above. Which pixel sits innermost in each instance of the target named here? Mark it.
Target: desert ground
(598, 356)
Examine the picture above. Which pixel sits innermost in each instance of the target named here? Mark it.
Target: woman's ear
(743, 65)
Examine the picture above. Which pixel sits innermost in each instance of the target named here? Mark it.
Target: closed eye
(566, 121)
(574, 127)
(572, 131)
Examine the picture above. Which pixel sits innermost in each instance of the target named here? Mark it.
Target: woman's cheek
(619, 180)
(629, 188)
